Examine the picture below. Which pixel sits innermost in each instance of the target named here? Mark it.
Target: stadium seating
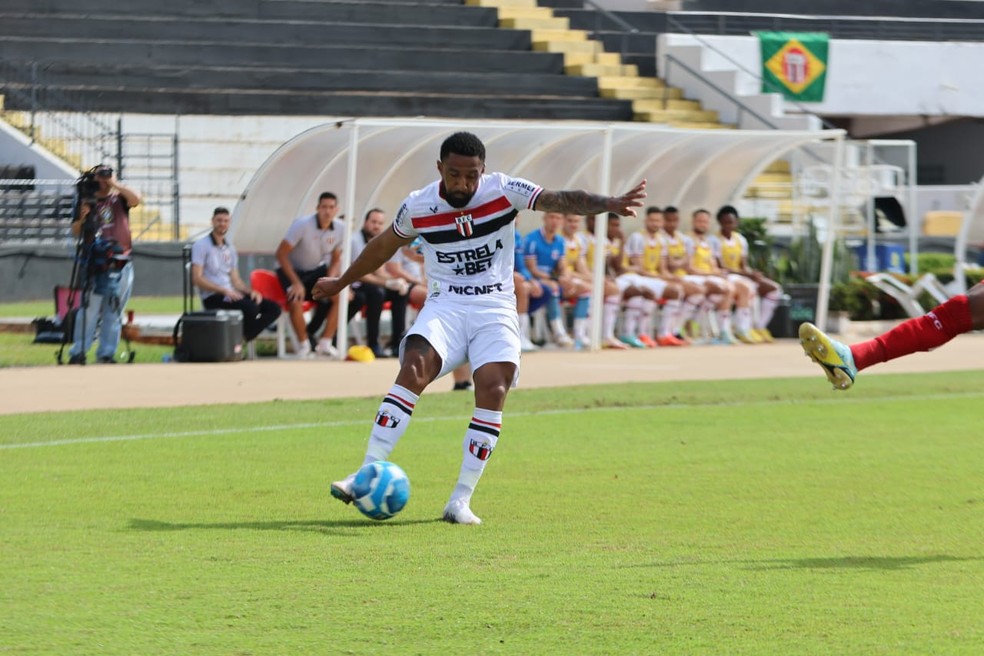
(293, 57)
(28, 215)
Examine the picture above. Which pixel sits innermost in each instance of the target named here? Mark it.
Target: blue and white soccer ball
(380, 489)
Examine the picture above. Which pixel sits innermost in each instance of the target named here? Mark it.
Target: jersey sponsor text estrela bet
(468, 251)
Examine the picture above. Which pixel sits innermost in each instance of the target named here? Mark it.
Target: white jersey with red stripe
(468, 251)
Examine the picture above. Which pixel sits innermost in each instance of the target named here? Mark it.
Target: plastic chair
(66, 300)
(267, 284)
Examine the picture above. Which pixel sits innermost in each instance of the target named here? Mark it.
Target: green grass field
(752, 517)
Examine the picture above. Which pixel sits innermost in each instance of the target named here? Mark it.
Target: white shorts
(465, 332)
(655, 285)
(627, 280)
(738, 279)
(700, 280)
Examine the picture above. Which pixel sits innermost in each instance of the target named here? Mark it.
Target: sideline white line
(559, 411)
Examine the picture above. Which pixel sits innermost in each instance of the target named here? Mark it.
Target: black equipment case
(209, 336)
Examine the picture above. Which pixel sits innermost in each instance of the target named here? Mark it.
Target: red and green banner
(794, 64)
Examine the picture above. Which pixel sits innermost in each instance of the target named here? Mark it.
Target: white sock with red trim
(391, 423)
(480, 440)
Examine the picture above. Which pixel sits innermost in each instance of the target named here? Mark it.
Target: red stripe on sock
(401, 400)
(487, 423)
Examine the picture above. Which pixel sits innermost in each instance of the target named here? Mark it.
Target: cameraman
(103, 224)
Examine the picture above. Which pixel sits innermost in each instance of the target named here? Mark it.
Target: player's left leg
(492, 382)
(493, 349)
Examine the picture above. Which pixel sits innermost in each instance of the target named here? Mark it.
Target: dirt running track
(36, 389)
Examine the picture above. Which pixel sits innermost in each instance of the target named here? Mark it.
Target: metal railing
(766, 84)
(627, 28)
(727, 96)
(841, 27)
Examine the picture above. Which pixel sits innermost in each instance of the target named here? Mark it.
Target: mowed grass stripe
(842, 400)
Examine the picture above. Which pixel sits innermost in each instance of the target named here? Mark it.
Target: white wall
(218, 155)
(877, 77)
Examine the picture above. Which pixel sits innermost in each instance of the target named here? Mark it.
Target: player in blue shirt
(544, 250)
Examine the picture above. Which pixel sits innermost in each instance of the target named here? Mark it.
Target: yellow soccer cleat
(834, 357)
(747, 337)
(764, 335)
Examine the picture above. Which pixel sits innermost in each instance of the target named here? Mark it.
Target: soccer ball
(380, 489)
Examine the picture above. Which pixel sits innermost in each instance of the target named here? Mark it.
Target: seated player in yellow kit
(679, 259)
(731, 249)
(644, 250)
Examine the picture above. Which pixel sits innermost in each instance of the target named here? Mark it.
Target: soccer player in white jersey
(466, 222)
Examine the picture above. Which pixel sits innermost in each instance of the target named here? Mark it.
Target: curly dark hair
(727, 209)
(463, 143)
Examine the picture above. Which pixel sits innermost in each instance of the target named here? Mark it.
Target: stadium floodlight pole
(601, 234)
(350, 216)
(827, 261)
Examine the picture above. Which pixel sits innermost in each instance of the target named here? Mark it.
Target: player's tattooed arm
(583, 202)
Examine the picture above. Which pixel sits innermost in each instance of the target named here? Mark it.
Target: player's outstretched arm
(583, 202)
(376, 253)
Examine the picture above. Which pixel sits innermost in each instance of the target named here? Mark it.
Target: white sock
(743, 317)
(670, 316)
(524, 325)
(581, 330)
(390, 424)
(767, 307)
(480, 441)
(691, 306)
(633, 310)
(646, 319)
(724, 321)
(610, 316)
(557, 326)
(709, 305)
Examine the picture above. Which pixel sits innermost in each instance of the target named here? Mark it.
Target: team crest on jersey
(386, 420)
(464, 225)
(481, 450)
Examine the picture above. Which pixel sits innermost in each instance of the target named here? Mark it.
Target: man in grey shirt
(312, 249)
(215, 271)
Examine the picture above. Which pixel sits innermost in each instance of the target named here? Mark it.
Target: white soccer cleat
(342, 490)
(563, 340)
(458, 512)
(527, 346)
(326, 349)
